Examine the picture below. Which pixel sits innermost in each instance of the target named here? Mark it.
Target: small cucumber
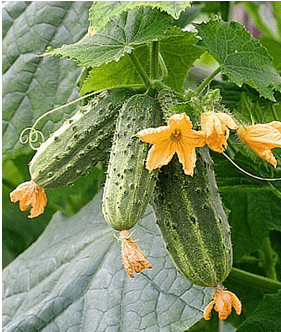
(192, 221)
(129, 185)
(79, 143)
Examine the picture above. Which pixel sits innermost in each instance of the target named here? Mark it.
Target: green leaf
(102, 11)
(72, 278)
(255, 205)
(31, 84)
(115, 73)
(119, 37)
(179, 53)
(266, 317)
(242, 58)
(274, 49)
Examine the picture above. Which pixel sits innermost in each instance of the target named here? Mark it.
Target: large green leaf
(72, 279)
(120, 36)
(102, 11)
(266, 317)
(179, 53)
(242, 58)
(32, 84)
(255, 205)
(115, 73)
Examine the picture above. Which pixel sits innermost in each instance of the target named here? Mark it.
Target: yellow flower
(30, 194)
(262, 138)
(223, 303)
(216, 126)
(132, 256)
(177, 137)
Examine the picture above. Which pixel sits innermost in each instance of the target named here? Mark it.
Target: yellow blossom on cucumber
(177, 137)
(262, 138)
(132, 256)
(30, 194)
(217, 128)
(223, 303)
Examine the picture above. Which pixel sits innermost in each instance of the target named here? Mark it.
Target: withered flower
(262, 138)
(30, 194)
(132, 256)
(177, 137)
(223, 303)
(217, 127)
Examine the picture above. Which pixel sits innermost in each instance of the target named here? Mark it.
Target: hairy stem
(208, 80)
(254, 280)
(221, 326)
(268, 262)
(154, 60)
(140, 69)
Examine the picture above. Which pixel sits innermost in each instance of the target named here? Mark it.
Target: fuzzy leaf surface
(102, 11)
(115, 73)
(242, 58)
(255, 205)
(33, 85)
(72, 278)
(179, 52)
(119, 37)
(266, 317)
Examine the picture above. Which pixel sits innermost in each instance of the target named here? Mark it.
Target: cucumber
(192, 221)
(79, 143)
(129, 186)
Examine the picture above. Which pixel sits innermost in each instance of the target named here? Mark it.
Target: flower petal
(154, 135)
(160, 155)
(30, 194)
(261, 138)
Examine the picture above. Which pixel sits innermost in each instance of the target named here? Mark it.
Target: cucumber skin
(129, 186)
(78, 145)
(192, 221)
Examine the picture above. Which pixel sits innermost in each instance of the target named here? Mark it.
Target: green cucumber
(129, 186)
(192, 221)
(82, 141)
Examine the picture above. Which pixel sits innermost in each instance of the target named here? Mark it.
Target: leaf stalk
(140, 69)
(207, 80)
(253, 280)
(154, 60)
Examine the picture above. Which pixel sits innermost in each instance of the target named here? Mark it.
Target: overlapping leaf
(266, 317)
(72, 278)
(241, 56)
(178, 50)
(102, 11)
(33, 85)
(120, 36)
(114, 73)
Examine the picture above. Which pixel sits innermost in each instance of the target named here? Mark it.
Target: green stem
(268, 263)
(163, 66)
(221, 326)
(225, 6)
(254, 280)
(207, 80)
(140, 69)
(154, 60)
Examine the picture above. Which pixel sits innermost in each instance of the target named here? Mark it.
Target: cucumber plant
(139, 54)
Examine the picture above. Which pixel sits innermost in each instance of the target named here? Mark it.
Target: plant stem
(207, 80)
(221, 326)
(254, 280)
(268, 262)
(225, 5)
(154, 60)
(140, 69)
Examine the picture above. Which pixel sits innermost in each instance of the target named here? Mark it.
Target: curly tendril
(34, 134)
(33, 137)
(249, 174)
